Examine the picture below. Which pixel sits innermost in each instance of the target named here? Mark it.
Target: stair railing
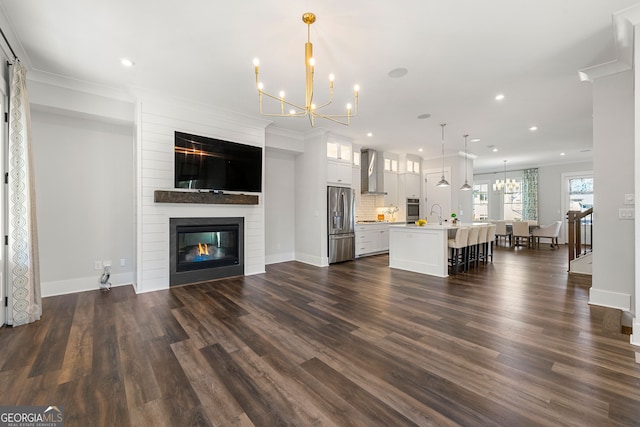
(580, 239)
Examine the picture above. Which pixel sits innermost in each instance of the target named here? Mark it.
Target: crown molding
(623, 23)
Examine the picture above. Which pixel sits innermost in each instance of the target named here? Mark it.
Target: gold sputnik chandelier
(309, 109)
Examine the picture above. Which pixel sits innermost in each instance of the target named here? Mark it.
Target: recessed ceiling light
(533, 128)
(495, 150)
(369, 134)
(562, 154)
(499, 97)
(475, 140)
(424, 116)
(126, 62)
(420, 150)
(396, 73)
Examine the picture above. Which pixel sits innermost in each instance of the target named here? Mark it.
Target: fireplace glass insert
(207, 247)
(203, 249)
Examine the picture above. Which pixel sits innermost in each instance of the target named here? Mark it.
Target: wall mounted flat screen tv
(213, 164)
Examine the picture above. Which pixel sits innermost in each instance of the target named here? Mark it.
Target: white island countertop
(421, 249)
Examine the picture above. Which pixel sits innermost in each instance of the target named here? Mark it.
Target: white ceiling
(459, 54)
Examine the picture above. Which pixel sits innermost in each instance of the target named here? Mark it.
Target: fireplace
(204, 249)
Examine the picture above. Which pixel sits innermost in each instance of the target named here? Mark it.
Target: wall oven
(413, 210)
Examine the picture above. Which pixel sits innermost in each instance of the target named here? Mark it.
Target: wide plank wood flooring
(513, 343)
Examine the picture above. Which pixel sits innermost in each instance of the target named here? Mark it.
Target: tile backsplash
(366, 209)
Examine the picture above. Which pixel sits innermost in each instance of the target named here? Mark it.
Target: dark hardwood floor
(356, 344)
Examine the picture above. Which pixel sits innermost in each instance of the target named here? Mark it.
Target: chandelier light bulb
(312, 62)
(356, 88)
(260, 86)
(349, 107)
(256, 62)
(313, 107)
(292, 112)
(332, 77)
(281, 94)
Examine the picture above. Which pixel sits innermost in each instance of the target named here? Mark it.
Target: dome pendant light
(465, 186)
(443, 182)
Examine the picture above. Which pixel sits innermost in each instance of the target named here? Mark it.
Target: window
(580, 194)
(513, 203)
(480, 202)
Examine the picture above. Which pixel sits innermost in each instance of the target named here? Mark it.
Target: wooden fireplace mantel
(168, 196)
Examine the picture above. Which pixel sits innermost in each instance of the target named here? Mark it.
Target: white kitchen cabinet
(339, 173)
(412, 185)
(391, 188)
(372, 238)
(339, 151)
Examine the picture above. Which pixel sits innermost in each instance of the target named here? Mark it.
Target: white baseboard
(610, 299)
(634, 339)
(282, 257)
(312, 260)
(62, 287)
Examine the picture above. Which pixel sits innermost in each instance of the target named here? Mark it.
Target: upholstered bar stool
(483, 243)
(472, 246)
(457, 249)
(491, 236)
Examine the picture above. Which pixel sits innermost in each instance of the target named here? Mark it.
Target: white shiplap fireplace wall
(157, 120)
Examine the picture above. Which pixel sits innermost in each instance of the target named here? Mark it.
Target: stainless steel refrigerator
(341, 214)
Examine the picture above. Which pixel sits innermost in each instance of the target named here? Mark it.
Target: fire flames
(203, 249)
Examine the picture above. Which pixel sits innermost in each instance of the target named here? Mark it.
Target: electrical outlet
(97, 265)
(106, 263)
(123, 262)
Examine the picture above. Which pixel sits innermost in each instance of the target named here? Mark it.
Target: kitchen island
(419, 249)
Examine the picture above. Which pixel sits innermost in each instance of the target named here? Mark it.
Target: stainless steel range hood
(371, 173)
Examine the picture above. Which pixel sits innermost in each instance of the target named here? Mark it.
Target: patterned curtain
(22, 262)
(530, 194)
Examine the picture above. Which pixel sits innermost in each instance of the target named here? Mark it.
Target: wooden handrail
(574, 220)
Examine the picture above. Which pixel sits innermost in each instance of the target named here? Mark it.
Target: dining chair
(457, 247)
(502, 232)
(550, 231)
(520, 232)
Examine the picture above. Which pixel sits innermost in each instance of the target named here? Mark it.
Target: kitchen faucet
(440, 215)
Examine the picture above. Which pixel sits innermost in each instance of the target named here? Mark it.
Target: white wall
(311, 201)
(495, 198)
(84, 200)
(157, 120)
(550, 208)
(613, 165)
(280, 218)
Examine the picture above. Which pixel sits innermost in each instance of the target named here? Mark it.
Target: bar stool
(483, 245)
(472, 246)
(491, 236)
(457, 248)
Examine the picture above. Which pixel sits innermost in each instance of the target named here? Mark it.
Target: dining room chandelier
(507, 186)
(309, 109)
